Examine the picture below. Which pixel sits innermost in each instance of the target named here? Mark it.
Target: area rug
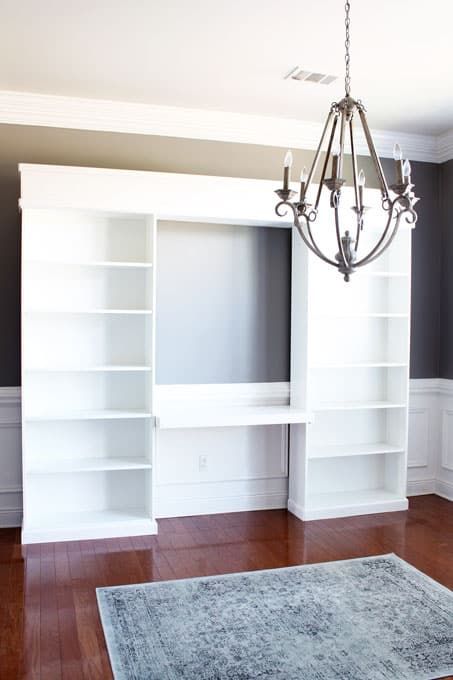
(375, 618)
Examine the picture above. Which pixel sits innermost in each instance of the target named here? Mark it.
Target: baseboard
(444, 489)
(10, 518)
(308, 514)
(421, 487)
(88, 532)
(184, 507)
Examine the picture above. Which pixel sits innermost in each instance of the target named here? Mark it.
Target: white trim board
(27, 108)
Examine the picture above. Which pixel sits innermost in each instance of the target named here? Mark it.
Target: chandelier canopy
(397, 201)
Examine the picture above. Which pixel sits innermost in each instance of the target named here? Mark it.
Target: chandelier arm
(373, 153)
(356, 185)
(367, 260)
(314, 248)
(319, 149)
(326, 161)
(311, 244)
(341, 251)
(411, 218)
(342, 132)
(376, 250)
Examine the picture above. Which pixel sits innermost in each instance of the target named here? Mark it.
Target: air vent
(301, 74)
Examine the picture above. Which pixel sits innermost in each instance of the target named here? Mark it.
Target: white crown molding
(445, 147)
(26, 108)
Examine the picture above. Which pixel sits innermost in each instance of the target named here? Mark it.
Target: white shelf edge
(230, 416)
(92, 263)
(89, 369)
(360, 315)
(89, 415)
(359, 364)
(359, 406)
(387, 274)
(347, 451)
(89, 311)
(91, 465)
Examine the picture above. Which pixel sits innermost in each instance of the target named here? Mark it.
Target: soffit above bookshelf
(168, 196)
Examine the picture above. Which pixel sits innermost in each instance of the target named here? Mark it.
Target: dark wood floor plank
(49, 618)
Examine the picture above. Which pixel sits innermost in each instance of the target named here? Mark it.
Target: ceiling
(232, 55)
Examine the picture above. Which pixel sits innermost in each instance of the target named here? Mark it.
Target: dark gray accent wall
(446, 290)
(426, 268)
(166, 154)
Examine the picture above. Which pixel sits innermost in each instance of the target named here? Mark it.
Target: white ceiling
(232, 55)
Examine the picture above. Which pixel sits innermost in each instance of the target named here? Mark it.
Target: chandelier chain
(347, 44)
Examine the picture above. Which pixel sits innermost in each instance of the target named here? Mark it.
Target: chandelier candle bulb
(407, 172)
(303, 183)
(361, 182)
(287, 163)
(398, 158)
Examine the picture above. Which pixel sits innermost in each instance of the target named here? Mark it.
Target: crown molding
(445, 146)
(26, 108)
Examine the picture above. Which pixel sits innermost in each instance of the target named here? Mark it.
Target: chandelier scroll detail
(397, 200)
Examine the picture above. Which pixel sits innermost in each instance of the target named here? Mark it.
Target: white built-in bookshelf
(356, 379)
(87, 366)
(90, 408)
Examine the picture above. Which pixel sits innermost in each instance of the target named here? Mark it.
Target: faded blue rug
(375, 618)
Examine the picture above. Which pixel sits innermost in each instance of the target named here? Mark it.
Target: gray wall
(223, 303)
(426, 268)
(446, 297)
(74, 147)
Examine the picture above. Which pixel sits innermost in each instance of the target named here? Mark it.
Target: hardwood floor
(49, 623)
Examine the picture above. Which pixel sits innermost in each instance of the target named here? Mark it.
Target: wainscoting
(10, 458)
(203, 472)
(430, 456)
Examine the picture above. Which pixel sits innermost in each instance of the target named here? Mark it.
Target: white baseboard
(444, 489)
(183, 507)
(308, 514)
(421, 487)
(10, 517)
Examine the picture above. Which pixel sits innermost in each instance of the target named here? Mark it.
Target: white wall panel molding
(10, 458)
(419, 437)
(26, 108)
(447, 439)
(431, 437)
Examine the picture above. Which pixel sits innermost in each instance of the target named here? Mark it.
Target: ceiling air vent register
(301, 74)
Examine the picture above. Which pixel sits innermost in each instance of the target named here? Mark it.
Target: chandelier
(397, 201)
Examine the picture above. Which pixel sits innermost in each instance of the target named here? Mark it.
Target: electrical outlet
(203, 462)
